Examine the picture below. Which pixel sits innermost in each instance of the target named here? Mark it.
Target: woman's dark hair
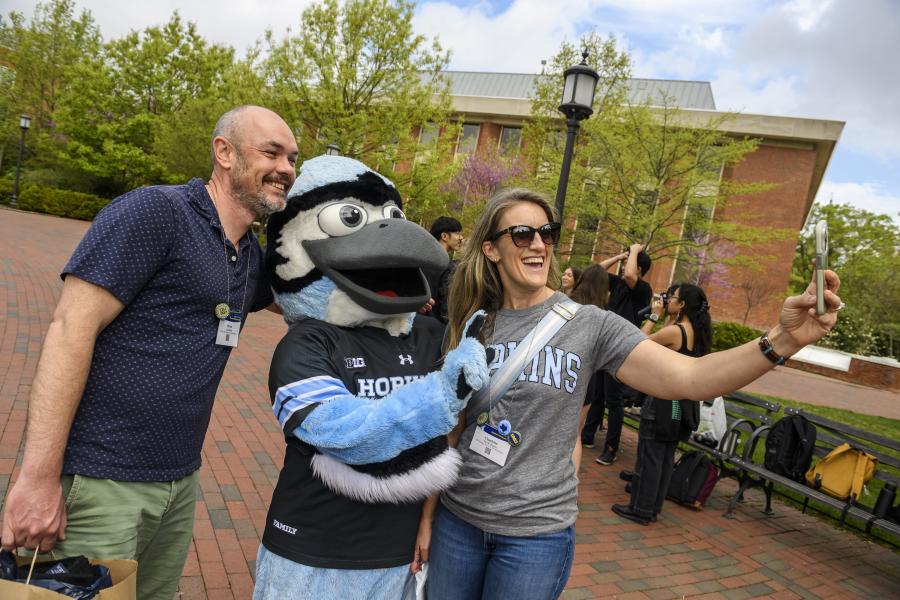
(592, 287)
(696, 309)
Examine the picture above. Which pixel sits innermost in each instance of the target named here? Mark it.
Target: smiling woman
(517, 487)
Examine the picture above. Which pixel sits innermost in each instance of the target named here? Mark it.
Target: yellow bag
(843, 472)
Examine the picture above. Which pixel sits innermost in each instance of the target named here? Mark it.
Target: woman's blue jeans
(467, 563)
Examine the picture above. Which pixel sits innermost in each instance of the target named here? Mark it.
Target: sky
(825, 59)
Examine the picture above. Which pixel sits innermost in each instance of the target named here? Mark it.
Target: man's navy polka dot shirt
(156, 367)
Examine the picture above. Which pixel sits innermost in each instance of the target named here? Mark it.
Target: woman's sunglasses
(523, 235)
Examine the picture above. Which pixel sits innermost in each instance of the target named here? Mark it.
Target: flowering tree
(479, 177)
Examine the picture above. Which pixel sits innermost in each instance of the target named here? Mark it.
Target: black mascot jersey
(307, 522)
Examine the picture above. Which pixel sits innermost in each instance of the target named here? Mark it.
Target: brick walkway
(686, 554)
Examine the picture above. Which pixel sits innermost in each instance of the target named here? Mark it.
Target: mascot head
(343, 252)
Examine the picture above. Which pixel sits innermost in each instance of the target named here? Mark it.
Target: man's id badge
(229, 330)
(492, 448)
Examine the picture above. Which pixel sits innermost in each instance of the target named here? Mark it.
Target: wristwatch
(653, 317)
(769, 351)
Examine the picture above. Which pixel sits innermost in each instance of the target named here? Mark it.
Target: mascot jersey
(308, 522)
(355, 383)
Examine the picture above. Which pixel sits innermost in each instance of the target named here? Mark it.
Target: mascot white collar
(342, 252)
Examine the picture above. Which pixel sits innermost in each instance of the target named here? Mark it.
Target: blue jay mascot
(357, 386)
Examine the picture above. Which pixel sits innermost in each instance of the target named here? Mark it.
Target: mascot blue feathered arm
(361, 430)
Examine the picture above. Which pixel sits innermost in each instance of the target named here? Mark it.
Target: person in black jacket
(628, 294)
(448, 233)
(665, 422)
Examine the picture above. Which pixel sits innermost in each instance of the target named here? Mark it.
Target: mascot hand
(467, 363)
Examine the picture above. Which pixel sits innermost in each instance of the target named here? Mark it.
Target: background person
(125, 384)
(592, 288)
(628, 294)
(569, 279)
(506, 529)
(448, 232)
(665, 422)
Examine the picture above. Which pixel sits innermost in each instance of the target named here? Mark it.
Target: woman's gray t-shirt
(535, 492)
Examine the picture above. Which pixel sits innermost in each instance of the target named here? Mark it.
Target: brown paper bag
(123, 573)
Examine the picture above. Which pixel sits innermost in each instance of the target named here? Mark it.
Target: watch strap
(765, 345)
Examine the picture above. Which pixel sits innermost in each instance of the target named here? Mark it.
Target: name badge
(229, 331)
(492, 448)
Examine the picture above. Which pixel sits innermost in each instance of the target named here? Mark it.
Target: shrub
(728, 335)
(53, 201)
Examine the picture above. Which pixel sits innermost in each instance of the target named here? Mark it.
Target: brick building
(793, 154)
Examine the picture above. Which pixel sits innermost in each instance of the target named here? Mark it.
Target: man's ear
(445, 237)
(223, 151)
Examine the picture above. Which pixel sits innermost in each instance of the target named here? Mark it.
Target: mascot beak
(380, 266)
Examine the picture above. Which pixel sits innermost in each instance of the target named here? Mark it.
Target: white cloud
(235, 23)
(808, 12)
(837, 62)
(869, 196)
(515, 40)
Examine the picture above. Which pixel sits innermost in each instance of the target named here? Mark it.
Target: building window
(693, 256)
(468, 138)
(510, 138)
(428, 133)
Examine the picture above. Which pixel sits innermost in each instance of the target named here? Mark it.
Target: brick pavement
(686, 554)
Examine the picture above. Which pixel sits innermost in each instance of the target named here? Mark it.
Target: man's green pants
(151, 523)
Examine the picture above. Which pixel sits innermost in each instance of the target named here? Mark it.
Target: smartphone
(821, 264)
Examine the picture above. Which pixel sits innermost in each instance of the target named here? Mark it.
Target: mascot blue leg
(282, 579)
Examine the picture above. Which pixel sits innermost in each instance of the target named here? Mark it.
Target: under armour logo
(405, 359)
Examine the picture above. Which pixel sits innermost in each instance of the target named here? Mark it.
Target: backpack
(843, 472)
(693, 479)
(789, 447)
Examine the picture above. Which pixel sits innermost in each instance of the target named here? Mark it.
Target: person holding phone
(628, 294)
(506, 528)
(666, 422)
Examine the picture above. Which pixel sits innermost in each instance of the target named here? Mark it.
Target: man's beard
(251, 196)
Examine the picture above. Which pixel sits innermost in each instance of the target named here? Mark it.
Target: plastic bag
(415, 585)
(713, 421)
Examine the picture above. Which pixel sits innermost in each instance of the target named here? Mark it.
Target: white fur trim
(305, 226)
(436, 475)
(344, 312)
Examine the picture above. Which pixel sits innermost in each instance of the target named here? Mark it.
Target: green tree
(642, 172)
(126, 101)
(36, 66)
(355, 74)
(182, 141)
(864, 249)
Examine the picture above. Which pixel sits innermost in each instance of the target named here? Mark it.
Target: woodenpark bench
(829, 434)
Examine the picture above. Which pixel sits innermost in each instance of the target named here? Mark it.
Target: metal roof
(686, 94)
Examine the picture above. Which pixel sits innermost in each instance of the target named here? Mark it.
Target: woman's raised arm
(664, 373)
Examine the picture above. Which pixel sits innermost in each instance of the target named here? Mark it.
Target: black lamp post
(24, 124)
(578, 98)
(332, 150)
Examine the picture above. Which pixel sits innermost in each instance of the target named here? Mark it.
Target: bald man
(153, 301)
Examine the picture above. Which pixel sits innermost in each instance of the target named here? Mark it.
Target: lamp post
(332, 150)
(578, 98)
(24, 124)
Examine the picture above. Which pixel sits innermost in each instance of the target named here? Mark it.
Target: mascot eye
(341, 219)
(393, 212)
